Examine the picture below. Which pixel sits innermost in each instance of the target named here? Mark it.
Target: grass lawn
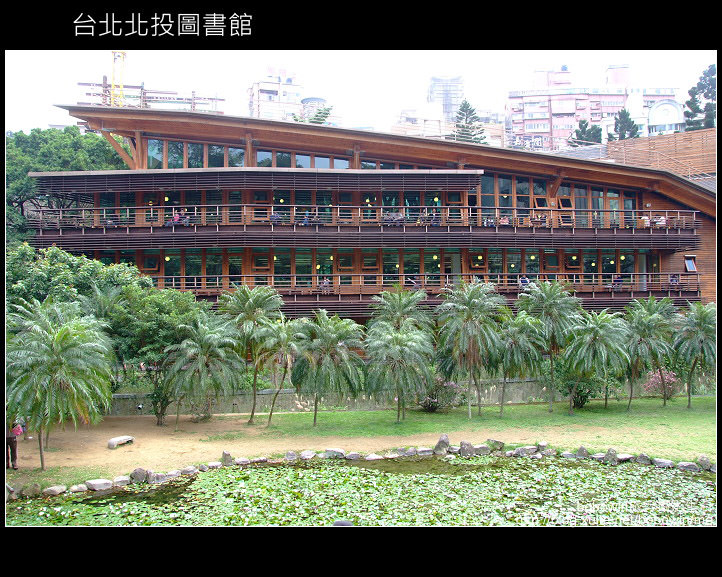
(673, 432)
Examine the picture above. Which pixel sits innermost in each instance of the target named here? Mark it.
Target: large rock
(121, 440)
(31, 490)
(226, 459)
(189, 470)
(704, 462)
(466, 449)
(687, 466)
(335, 453)
(582, 453)
(610, 458)
(121, 481)
(624, 457)
(291, 456)
(482, 449)
(662, 463)
(307, 455)
(54, 490)
(374, 457)
(139, 475)
(80, 488)
(424, 451)
(524, 451)
(495, 445)
(442, 445)
(643, 459)
(156, 478)
(99, 484)
(242, 461)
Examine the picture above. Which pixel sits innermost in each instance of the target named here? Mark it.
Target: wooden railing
(386, 216)
(373, 283)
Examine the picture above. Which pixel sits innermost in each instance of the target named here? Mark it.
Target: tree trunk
(551, 374)
(606, 394)
(398, 408)
(40, 447)
(253, 406)
(275, 396)
(689, 383)
(477, 384)
(501, 401)
(571, 398)
(315, 407)
(631, 382)
(177, 411)
(664, 385)
(468, 397)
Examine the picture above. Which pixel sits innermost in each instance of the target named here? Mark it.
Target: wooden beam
(119, 149)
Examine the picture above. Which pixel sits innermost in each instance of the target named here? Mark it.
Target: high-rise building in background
(276, 97)
(547, 115)
(449, 92)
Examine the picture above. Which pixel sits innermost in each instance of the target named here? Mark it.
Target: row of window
(176, 154)
(307, 261)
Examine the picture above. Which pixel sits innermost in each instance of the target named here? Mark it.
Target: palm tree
(663, 312)
(648, 342)
(696, 339)
(598, 344)
(249, 307)
(467, 336)
(58, 366)
(279, 345)
(558, 310)
(399, 361)
(328, 359)
(520, 345)
(206, 362)
(396, 306)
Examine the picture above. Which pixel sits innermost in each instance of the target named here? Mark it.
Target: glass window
(155, 153)
(264, 158)
(340, 163)
(283, 159)
(513, 262)
(368, 164)
(303, 161)
(322, 162)
(540, 187)
(215, 156)
(531, 260)
(195, 155)
(690, 264)
(175, 154)
(235, 156)
(387, 165)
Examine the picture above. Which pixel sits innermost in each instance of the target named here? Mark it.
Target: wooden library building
(332, 216)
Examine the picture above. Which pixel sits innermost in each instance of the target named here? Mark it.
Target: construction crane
(117, 96)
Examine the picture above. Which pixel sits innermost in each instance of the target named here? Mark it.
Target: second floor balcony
(345, 225)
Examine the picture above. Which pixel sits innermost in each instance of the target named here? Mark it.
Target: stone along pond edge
(442, 448)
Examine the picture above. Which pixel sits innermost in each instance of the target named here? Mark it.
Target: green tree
(397, 306)
(279, 346)
(520, 344)
(37, 274)
(585, 135)
(704, 92)
(50, 150)
(399, 361)
(319, 116)
(468, 338)
(558, 311)
(647, 332)
(328, 359)
(624, 126)
(695, 339)
(58, 366)
(205, 364)
(598, 345)
(250, 308)
(468, 126)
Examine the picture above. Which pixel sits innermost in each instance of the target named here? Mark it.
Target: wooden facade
(331, 216)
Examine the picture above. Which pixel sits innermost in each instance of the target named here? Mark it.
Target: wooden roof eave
(303, 136)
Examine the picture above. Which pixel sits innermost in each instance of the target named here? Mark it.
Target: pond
(413, 491)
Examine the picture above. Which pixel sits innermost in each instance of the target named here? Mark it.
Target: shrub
(653, 384)
(441, 395)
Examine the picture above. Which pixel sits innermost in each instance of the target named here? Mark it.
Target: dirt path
(163, 448)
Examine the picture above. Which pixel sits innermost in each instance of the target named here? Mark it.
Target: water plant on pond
(480, 491)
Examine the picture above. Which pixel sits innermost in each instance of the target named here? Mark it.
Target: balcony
(138, 227)
(353, 292)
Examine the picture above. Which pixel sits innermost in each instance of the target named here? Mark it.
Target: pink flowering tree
(661, 382)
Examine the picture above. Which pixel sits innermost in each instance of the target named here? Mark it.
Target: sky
(367, 88)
